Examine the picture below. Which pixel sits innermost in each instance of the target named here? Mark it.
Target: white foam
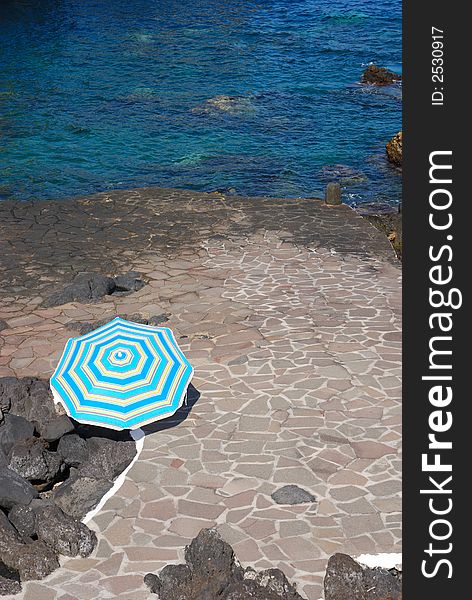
(385, 560)
(138, 436)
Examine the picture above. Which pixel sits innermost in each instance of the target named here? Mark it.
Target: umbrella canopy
(122, 375)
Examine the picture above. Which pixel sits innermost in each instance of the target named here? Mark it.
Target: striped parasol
(122, 375)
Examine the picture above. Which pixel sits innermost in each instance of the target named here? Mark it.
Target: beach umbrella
(122, 375)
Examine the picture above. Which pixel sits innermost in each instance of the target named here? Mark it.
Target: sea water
(249, 97)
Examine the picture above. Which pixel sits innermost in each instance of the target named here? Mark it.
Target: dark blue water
(104, 94)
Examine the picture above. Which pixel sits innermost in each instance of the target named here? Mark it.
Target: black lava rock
(107, 458)
(34, 560)
(14, 429)
(379, 76)
(63, 533)
(212, 572)
(9, 581)
(346, 579)
(129, 282)
(23, 519)
(31, 460)
(14, 489)
(56, 428)
(86, 287)
(78, 495)
(292, 494)
(73, 450)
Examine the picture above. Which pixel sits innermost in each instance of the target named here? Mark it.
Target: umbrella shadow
(178, 417)
(87, 431)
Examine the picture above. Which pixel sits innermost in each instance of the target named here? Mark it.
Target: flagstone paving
(290, 312)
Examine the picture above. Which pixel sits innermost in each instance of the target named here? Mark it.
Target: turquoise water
(98, 94)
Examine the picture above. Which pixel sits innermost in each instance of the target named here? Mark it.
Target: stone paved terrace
(290, 312)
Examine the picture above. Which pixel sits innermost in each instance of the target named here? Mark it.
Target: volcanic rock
(23, 519)
(346, 579)
(31, 460)
(90, 287)
(394, 149)
(84, 327)
(211, 571)
(107, 458)
(14, 429)
(31, 399)
(9, 581)
(129, 282)
(63, 533)
(73, 450)
(379, 76)
(34, 560)
(79, 494)
(292, 494)
(14, 489)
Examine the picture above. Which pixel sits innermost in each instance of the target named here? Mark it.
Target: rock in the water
(346, 579)
(342, 174)
(211, 571)
(107, 458)
(129, 282)
(379, 76)
(73, 450)
(14, 489)
(31, 460)
(395, 149)
(78, 495)
(225, 104)
(63, 533)
(23, 519)
(292, 494)
(34, 560)
(86, 287)
(14, 429)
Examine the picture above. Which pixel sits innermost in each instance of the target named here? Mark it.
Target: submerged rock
(211, 571)
(225, 104)
(379, 76)
(394, 149)
(346, 579)
(342, 174)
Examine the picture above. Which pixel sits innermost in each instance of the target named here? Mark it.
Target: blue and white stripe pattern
(122, 375)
